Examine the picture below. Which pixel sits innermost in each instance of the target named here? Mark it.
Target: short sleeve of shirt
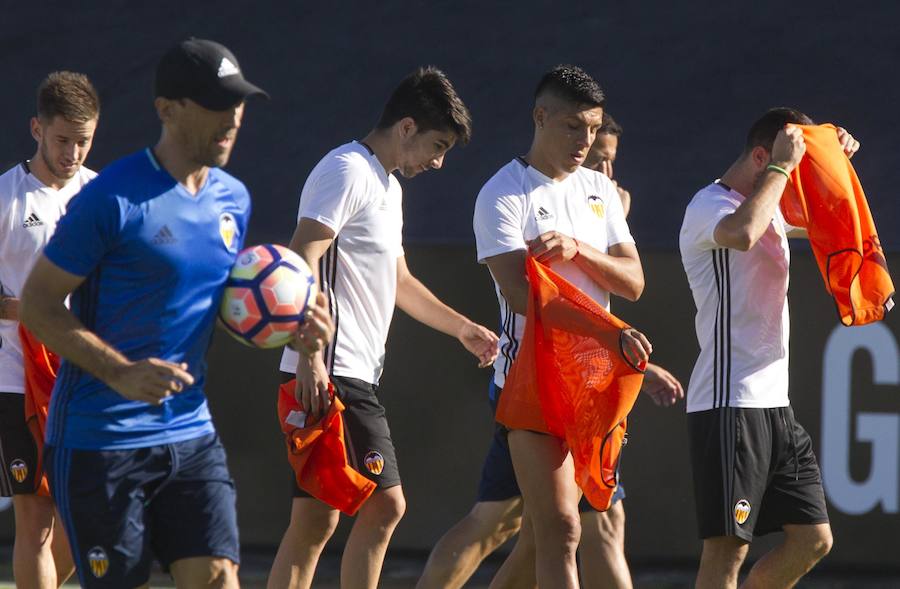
(616, 226)
(90, 227)
(704, 214)
(498, 223)
(333, 193)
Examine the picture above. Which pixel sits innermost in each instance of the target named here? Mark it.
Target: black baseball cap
(206, 72)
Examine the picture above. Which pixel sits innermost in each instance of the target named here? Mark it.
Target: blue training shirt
(155, 259)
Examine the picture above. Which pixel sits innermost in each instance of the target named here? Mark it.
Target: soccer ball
(266, 296)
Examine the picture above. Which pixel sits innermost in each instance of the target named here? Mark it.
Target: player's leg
(193, 516)
(312, 524)
(36, 527)
(368, 541)
(62, 554)
(546, 476)
(518, 570)
(794, 503)
(372, 453)
(494, 519)
(602, 559)
(100, 498)
(461, 550)
(731, 454)
(720, 562)
(783, 566)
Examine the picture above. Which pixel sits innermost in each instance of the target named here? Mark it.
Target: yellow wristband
(779, 169)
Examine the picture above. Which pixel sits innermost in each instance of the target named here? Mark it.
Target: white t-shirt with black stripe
(518, 204)
(29, 212)
(350, 192)
(742, 317)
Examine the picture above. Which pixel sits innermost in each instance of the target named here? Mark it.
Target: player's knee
(560, 528)
(34, 516)
(314, 525)
(218, 573)
(385, 509)
(505, 529)
(814, 543)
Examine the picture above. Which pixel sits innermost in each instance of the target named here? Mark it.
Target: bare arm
(618, 271)
(9, 308)
(745, 226)
(418, 302)
(43, 311)
(310, 241)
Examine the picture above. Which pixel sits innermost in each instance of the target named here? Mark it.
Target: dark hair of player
(573, 84)
(428, 97)
(763, 132)
(609, 126)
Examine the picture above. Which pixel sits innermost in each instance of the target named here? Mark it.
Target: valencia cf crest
(374, 462)
(741, 511)
(596, 204)
(19, 470)
(98, 561)
(228, 230)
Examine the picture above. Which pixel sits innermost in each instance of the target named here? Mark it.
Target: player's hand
(312, 385)
(789, 147)
(151, 380)
(848, 143)
(662, 386)
(552, 247)
(636, 346)
(606, 168)
(317, 329)
(9, 308)
(481, 341)
(625, 197)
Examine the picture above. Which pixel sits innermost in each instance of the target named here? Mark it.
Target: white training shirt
(350, 192)
(742, 312)
(518, 204)
(29, 212)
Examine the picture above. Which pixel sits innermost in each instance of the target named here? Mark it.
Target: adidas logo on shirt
(164, 236)
(32, 221)
(543, 214)
(226, 68)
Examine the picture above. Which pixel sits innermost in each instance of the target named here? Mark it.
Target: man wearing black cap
(133, 459)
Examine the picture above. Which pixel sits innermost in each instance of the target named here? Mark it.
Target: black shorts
(366, 432)
(122, 507)
(754, 471)
(18, 450)
(498, 478)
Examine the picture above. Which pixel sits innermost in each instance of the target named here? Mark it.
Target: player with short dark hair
(753, 465)
(135, 465)
(570, 217)
(33, 197)
(349, 230)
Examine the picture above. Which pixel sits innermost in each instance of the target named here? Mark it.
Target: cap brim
(231, 92)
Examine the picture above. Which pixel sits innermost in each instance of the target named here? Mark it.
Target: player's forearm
(9, 308)
(414, 299)
(743, 228)
(619, 275)
(56, 326)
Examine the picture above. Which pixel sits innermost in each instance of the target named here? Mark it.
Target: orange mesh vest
(318, 455)
(41, 366)
(570, 379)
(824, 197)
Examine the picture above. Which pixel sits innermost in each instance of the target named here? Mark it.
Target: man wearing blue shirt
(134, 461)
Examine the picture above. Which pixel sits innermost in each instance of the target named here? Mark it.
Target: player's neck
(739, 178)
(171, 157)
(538, 160)
(39, 169)
(383, 148)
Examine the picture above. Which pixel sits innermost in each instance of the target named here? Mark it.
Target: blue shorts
(122, 507)
(498, 478)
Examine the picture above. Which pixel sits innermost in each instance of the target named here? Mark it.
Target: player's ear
(406, 127)
(164, 108)
(37, 131)
(760, 156)
(539, 114)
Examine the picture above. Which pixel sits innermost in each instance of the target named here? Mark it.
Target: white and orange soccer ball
(266, 296)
